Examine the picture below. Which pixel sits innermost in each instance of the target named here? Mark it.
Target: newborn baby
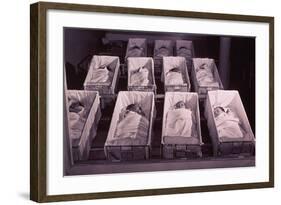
(174, 77)
(77, 118)
(184, 52)
(140, 77)
(228, 125)
(132, 127)
(205, 76)
(102, 74)
(162, 51)
(179, 121)
(135, 51)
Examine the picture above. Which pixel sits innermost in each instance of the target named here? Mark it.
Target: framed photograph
(135, 102)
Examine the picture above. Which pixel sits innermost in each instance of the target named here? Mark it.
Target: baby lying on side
(132, 127)
(205, 76)
(102, 74)
(179, 121)
(140, 77)
(77, 118)
(228, 125)
(174, 77)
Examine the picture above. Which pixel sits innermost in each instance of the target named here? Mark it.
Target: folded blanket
(131, 130)
(174, 78)
(228, 126)
(140, 77)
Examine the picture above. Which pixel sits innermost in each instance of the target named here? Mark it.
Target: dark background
(81, 44)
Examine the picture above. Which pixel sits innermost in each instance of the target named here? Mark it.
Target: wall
(14, 102)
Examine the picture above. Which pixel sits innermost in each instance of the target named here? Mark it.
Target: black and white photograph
(142, 101)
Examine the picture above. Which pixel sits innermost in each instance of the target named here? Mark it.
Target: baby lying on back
(132, 127)
(204, 75)
(179, 121)
(140, 77)
(174, 77)
(102, 74)
(228, 125)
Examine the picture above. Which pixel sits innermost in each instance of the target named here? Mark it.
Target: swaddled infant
(205, 76)
(135, 51)
(228, 125)
(179, 121)
(184, 52)
(132, 127)
(140, 77)
(77, 118)
(162, 51)
(174, 77)
(102, 74)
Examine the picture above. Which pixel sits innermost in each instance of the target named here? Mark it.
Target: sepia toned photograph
(138, 101)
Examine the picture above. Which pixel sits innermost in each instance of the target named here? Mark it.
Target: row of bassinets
(104, 72)
(172, 146)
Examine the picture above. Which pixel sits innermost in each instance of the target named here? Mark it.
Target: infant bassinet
(112, 62)
(161, 48)
(182, 146)
(223, 146)
(136, 47)
(185, 49)
(130, 152)
(91, 102)
(200, 89)
(133, 65)
(179, 62)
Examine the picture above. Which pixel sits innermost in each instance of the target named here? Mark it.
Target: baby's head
(203, 66)
(135, 108)
(180, 104)
(218, 110)
(75, 106)
(175, 69)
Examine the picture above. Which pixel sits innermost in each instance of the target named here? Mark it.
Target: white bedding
(136, 47)
(204, 72)
(140, 71)
(175, 70)
(140, 77)
(181, 125)
(228, 125)
(163, 48)
(102, 69)
(133, 121)
(232, 124)
(179, 122)
(131, 130)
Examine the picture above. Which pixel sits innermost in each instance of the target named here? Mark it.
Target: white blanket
(131, 130)
(140, 77)
(76, 123)
(101, 75)
(174, 78)
(228, 126)
(179, 122)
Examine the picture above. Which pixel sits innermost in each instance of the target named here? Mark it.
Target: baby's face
(218, 111)
(180, 104)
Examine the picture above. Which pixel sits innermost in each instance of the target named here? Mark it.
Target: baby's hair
(178, 104)
(175, 69)
(132, 107)
(221, 108)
